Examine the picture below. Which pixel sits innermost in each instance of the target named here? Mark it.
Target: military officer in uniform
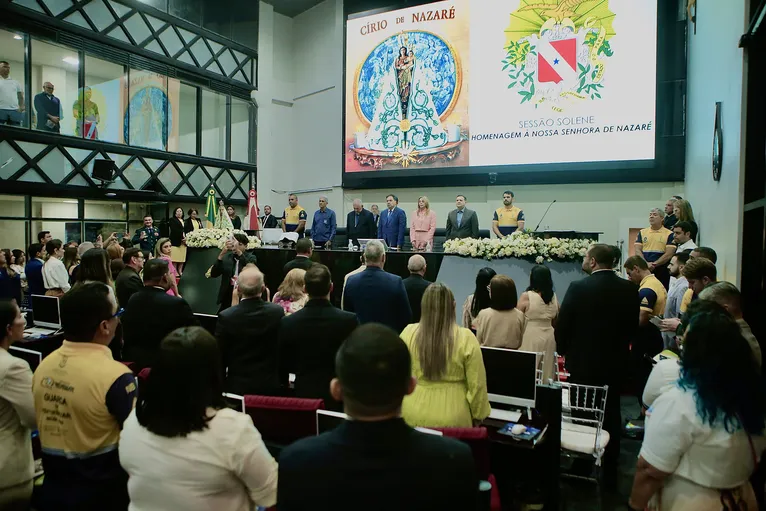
(146, 237)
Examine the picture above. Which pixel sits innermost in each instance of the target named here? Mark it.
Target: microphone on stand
(543, 218)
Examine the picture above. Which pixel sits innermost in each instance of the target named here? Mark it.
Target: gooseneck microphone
(543, 217)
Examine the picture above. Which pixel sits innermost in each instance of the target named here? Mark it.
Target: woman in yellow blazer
(446, 360)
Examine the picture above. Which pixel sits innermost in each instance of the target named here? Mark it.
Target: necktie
(459, 218)
(356, 220)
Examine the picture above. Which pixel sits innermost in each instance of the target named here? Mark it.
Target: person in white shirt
(55, 275)
(11, 97)
(682, 236)
(181, 446)
(703, 436)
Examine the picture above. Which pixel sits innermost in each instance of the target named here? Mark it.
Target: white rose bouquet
(521, 245)
(216, 238)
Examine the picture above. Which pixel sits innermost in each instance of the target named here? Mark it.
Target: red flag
(557, 61)
(253, 211)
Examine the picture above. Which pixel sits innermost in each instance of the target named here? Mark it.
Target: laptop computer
(46, 315)
(32, 357)
(271, 236)
(234, 401)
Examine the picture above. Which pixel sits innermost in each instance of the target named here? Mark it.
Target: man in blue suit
(375, 295)
(34, 270)
(392, 224)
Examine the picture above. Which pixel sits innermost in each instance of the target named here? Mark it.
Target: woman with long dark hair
(17, 414)
(502, 324)
(95, 267)
(541, 307)
(479, 300)
(446, 360)
(182, 447)
(704, 435)
(10, 280)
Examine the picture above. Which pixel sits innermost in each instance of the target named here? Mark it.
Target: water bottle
(350, 246)
(429, 248)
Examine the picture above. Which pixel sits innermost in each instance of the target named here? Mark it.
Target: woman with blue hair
(704, 436)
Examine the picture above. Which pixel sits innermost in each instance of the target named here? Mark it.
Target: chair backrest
(283, 420)
(585, 405)
(477, 439)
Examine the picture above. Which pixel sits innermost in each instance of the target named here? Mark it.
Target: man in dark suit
(269, 221)
(375, 295)
(415, 284)
(128, 281)
(375, 215)
(376, 462)
(597, 322)
(303, 250)
(461, 221)
(34, 270)
(360, 223)
(312, 357)
(151, 315)
(247, 334)
(48, 108)
(392, 224)
(232, 260)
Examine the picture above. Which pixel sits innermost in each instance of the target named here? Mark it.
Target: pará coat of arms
(557, 51)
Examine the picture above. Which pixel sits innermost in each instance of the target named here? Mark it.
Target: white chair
(582, 421)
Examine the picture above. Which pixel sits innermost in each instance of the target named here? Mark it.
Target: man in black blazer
(151, 315)
(247, 334)
(376, 461)
(360, 224)
(128, 281)
(312, 357)
(596, 324)
(375, 295)
(268, 221)
(232, 260)
(303, 250)
(415, 284)
(461, 221)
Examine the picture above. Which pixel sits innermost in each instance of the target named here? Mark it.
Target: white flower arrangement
(519, 244)
(216, 238)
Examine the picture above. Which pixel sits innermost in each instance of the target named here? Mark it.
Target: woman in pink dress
(162, 251)
(423, 226)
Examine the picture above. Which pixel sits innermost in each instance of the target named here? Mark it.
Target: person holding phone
(232, 259)
(147, 235)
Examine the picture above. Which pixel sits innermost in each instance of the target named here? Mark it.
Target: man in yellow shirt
(294, 217)
(648, 341)
(654, 245)
(509, 218)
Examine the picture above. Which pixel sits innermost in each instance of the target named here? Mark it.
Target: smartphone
(655, 320)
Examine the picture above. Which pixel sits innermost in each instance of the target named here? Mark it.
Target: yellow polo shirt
(508, 219)
(653, 295)
(653, 243)
(292, 217)
(686, 299)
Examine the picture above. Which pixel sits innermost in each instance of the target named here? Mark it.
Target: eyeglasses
(119, 313)
(488, 288)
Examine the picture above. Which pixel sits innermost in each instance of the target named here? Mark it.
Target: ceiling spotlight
(18, 37)
(71, 60)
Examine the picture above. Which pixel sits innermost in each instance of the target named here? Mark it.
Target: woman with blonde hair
(423, 226)
(163, 250)
(447, 362)
(291, 295)
(683, 211)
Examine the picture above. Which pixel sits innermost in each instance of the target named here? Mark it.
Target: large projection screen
(500, 86)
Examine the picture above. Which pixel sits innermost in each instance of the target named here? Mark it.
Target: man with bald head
(416, 284)
(48, 108)
(247, 334)
(360, 224)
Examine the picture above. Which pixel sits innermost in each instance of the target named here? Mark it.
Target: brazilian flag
(210, 208)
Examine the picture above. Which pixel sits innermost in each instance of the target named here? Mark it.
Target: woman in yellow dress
(447, 362)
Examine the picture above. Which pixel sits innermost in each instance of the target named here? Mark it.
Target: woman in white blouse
(182, 447)
(17, 415)
(55, 275)
(703, 436)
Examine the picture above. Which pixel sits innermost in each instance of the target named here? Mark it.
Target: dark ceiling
(292, 8)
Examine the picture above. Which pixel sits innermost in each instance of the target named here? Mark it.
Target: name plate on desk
(568, 235)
